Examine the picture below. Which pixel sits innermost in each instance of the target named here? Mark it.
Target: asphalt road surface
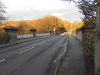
(33, 57)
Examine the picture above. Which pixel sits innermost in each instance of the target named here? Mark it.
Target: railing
(30, 35)
(24, 36)
(58, 60)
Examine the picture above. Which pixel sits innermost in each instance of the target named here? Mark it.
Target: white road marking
(25, 50)
(18, 53)
(62, 54)
(2, 60)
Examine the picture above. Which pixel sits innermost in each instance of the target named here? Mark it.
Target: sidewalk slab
(74, 61)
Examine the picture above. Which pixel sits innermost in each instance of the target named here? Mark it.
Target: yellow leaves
(77, 25)
(48, 23)
(67, 24)
(45, 24)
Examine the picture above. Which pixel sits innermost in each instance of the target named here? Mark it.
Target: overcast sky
(31, 9)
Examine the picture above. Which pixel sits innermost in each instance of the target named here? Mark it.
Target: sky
(33, 9)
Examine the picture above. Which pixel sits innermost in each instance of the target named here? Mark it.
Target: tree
(61, 29)
(88, 8)
(48, 23)
(22, 26)
(2, 11)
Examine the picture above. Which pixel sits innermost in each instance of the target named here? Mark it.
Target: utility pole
(97, 40)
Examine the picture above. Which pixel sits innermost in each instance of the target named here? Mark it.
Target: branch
(88, 18)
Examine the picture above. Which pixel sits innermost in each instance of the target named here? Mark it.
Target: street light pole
(54, 30)
(97, 40)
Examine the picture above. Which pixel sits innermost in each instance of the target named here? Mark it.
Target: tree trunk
(97, 41)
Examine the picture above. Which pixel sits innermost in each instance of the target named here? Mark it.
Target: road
(33, 57)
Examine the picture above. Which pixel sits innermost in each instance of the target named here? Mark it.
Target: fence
(19, 36)
(24, 36)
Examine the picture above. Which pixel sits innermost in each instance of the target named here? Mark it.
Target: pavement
(74, 60)
(33, 57)
(78, 36)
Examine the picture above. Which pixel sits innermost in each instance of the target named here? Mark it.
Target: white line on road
(2, 60)
(25, 50)
(62, 54)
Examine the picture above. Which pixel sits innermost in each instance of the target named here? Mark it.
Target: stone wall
(88, 39)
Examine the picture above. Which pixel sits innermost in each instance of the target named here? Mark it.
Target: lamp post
(54, 30)
(97, 41)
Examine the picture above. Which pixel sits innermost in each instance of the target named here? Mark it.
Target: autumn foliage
(44, 24)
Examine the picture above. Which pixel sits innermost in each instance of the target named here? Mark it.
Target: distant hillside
(44, 24)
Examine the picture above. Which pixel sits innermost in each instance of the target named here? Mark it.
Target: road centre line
(18, 53)
(25, 50)
(2, 60)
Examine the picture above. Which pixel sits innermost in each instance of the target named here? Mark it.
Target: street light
(54, 30)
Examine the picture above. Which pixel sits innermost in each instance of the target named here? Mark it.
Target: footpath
(74, 60)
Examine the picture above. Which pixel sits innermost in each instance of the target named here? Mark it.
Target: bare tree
(87, 8)
(91, 8)
(2, 12)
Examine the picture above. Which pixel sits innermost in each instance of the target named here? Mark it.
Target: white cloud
(30, 9)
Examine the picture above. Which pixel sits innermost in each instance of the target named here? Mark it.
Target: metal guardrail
(57, 61)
